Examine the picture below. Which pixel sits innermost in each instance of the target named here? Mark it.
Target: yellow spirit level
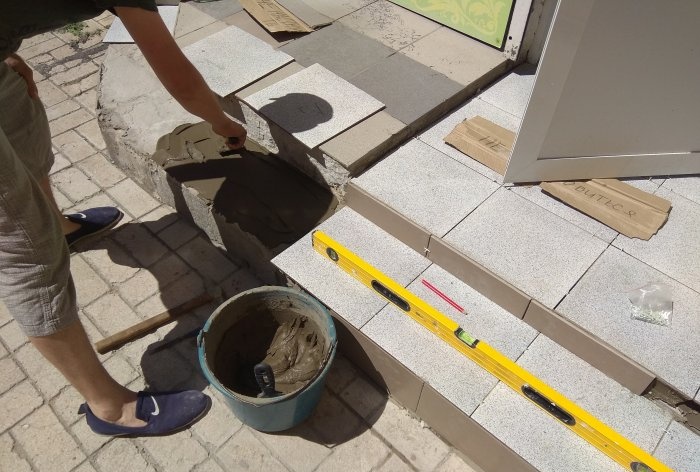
(618, 448)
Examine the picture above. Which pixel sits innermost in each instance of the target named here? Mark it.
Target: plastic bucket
(244, 323)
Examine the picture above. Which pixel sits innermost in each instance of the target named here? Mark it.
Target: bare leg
(70, 351)
(67, 225)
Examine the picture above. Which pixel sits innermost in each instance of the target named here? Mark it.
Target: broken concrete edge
(684, 409)
(413, 393)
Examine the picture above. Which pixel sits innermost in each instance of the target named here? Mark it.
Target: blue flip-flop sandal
(92, 222)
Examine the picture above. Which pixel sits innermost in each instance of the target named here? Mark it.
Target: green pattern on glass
(485, 20)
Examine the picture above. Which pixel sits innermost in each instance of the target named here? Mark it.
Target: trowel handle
(265, 379)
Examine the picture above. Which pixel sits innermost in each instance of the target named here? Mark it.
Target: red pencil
(444, 297)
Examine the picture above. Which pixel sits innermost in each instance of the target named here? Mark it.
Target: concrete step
(492, 425)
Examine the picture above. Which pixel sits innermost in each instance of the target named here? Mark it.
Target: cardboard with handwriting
(483, 141)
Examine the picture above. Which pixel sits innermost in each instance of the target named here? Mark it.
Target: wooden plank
(483, 141)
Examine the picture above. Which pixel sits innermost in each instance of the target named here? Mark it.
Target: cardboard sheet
(632, 212)
(484, 141)
(274, 17)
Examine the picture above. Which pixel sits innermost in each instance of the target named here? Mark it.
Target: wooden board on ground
(483, 141)
(274, 17)
(632, 212)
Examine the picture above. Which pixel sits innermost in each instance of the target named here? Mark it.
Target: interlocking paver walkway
(151, 262)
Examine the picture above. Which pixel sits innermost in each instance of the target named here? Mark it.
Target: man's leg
(67, 225)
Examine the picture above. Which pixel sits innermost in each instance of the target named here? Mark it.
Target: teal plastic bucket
(247, 319)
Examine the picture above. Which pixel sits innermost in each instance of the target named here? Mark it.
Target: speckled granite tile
(338, 49)
(390, 24)
(435, 135)
(675, 248)
(599, 303)
(680, 449)
(537, 436)
(512, 92)
(634, 417)
(426, 186)
(345, 295)
(232, 59)
(533, 249)
(314, 104)
(535, 194)
(685, 186)
(117, 33)
(484, 319)
(428, 357)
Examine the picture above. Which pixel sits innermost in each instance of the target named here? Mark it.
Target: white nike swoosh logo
(81, 215)
(156, 412)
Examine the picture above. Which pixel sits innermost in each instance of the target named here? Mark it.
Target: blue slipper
(92, 222)
(165, 413)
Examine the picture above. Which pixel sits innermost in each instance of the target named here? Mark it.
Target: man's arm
(18, 65)
(176, 72)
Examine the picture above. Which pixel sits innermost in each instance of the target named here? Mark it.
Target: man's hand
(234, 133)
(18, 65)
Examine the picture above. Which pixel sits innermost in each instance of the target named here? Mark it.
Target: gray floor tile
(335, 9)
(305, 13)
(345, 295)
(427, 356)
(338, 49)
(390, 24)
(484, 319)
(536, 436)
(538, 252)
(634, 417)
(219, 9)
(426, 186)
(117, 33)
(599, 303)
(408, 88)
(535, 194)
(232, 59)
(512, 92)
(435, 135)
(680, 449)
(314, 104)
(675, 248)
(686, 186)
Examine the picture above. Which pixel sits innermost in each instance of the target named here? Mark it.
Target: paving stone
(201, 33)
(337, 9)
(61, 200)
(419, 445)
(395, 464)
(133, 198)
(121, 455)
(454, 463)
(178, 452)
(191, 19)
(599, 303)
(43, 438)
(5, 316)
(238, 282)
(3, 351)
(34, 40)
(9, 456)
(341, 374)
(82, 85)
(334, 422)
(41, 48)
(17, 403)
(314, 105)
(88, 100)
(535, 194)
(74, 184)
(426, 186)
(91, 132)
(177, 293)
(435, 135)
(207, 259)
(219, 9)
(101, 171)
(409, 89)
(69, 121)
(390, 24)
(59, 164)
(159, 219)
(139, 288)
(89, 441)
(111, 261)
(89, 27)
(286, 71)
(219, 424)
(85, 467)
(688, 187)
(346, 296)
(65, 405)
(120, 370)
(364, 452)
(110, 314)
(73, 146)
(525, 245)
(141, 244)
(178, 233)
(247, 59)
(74, 74)
(679, 449)
(47, 379)
(636, 418)
(460, 58)
(245, 452)
(363, 397)
(248, 24)
(339, 49)
(61, 109)
(512, 92)
(50, 94)
(10, 374)
(674, 249)
(88, 284)
(13, 336)
(117, 33)
(299, 449)
(208, 466)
